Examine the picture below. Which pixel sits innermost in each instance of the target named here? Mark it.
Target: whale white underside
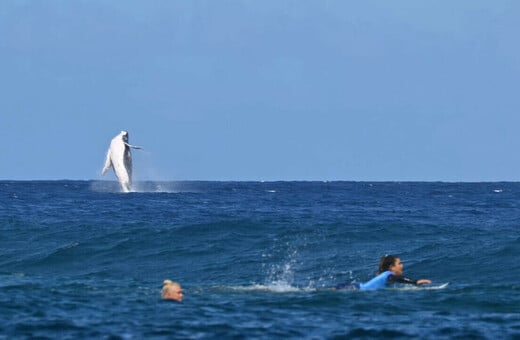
(119, 157)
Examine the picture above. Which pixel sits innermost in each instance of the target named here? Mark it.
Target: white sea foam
(273, 287)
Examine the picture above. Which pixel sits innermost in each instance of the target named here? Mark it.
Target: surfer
(172, 291)
(390, 272)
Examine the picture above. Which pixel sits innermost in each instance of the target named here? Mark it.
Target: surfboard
(427, 287)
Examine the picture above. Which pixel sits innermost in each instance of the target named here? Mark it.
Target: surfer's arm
(402, 279)
(134, 146)
(423, 282)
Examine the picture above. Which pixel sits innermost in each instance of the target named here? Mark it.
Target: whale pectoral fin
(134, 146)
(105, 170)
(108, 164)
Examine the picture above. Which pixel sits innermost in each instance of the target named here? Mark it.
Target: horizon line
(263, 181)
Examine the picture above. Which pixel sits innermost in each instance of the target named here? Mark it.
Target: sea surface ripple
(78, 259)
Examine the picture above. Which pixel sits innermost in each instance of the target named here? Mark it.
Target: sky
(262, 90)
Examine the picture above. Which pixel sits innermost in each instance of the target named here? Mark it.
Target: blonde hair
(167, 284)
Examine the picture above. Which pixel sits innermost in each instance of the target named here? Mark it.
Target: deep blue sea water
(78, 259)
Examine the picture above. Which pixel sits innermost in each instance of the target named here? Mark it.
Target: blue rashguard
(379, 282)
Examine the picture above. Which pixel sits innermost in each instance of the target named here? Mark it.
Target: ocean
(256, 260)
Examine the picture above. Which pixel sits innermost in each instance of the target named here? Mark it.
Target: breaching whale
(119, 157)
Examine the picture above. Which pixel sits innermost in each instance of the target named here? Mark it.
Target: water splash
(105, 186)
(137, 187)
(281, 276)
(155, 187)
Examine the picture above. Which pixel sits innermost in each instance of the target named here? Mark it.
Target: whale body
(119, 157)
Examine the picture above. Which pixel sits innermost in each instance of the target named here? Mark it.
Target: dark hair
(385, 263)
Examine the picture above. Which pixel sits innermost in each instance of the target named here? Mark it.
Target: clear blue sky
(262, 90)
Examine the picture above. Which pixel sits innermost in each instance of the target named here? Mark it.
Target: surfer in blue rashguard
(390, 272)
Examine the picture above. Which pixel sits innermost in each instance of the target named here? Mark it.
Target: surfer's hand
(423, 282)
